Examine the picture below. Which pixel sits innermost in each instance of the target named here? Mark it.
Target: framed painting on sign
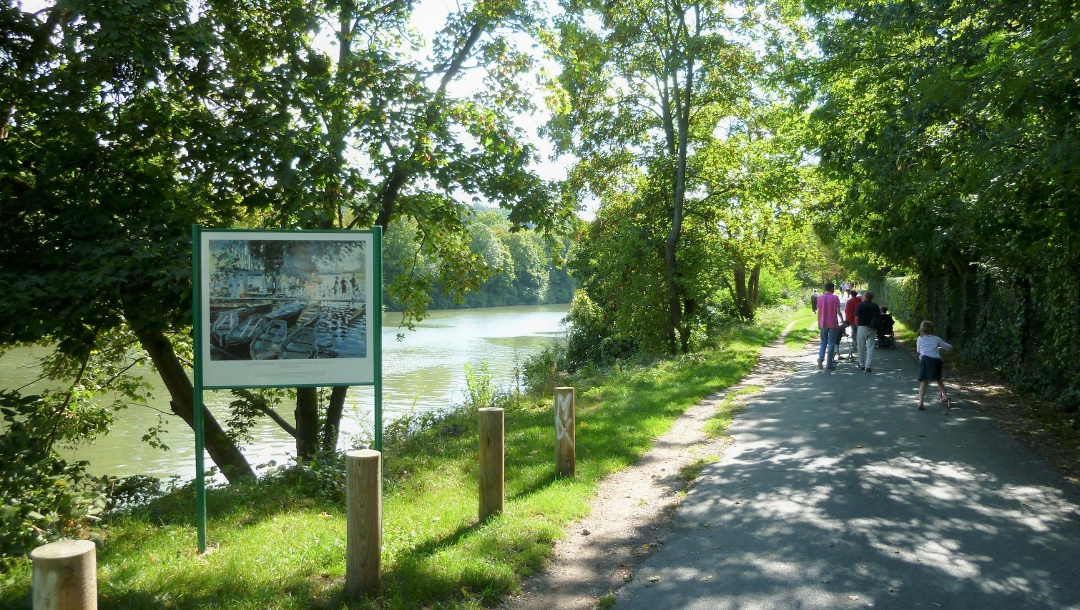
(286, 308)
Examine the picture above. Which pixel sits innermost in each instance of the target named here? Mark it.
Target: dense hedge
(1024, 327)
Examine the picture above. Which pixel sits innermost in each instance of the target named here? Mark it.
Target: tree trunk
(753, 289)
(742, 294)
(332, 425)
(307, 423)
(674, 302)
(222, 449)
(685, 330)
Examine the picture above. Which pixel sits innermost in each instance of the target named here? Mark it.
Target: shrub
(590, 338)
(479, 387)
(45, 497)
(540, 370)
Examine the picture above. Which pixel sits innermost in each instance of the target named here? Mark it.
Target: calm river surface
(423, 372)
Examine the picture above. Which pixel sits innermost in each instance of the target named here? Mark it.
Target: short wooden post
(565, 435)
(65, 575)
(363, 495)
(491, 462)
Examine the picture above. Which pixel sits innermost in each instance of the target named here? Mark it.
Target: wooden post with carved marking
(565, 435)
(491, 462)
(363, 543)
(65, 575)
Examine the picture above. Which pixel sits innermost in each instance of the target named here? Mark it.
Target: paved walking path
(837, 493)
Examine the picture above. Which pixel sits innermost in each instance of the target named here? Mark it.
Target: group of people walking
(859, 314)
(863, 316)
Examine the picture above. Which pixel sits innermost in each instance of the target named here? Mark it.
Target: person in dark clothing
(885, 328)
(867, 313)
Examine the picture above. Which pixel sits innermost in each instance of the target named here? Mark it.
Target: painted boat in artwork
(225, 323)
(239, 340)
(301, 343)
(304, 338)
(267, 346)
(288, 312)
(309, 315)
(357, 314)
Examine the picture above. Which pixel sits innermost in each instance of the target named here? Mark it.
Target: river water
(422, 372)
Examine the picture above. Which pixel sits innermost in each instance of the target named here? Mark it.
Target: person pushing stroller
(885, 329)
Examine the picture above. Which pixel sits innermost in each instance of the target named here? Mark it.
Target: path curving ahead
(837, 493)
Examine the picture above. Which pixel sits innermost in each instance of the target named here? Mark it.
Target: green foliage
(759, 185)
(511, 267)
(777, 287)
(697, 169)
(480, 391)
(249, 405)
(618, 260)
(949, 133)
(590, 339)
(996, 324)
(45, 498)
(639, 93)
(902, 296)
(115, 139)
(540, 371)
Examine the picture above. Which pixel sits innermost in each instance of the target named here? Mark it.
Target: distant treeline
(520, 268)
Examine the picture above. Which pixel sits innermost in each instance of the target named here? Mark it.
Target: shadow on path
(838, 493)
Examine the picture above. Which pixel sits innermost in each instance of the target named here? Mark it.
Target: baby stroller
(885, 329)
(846, 330)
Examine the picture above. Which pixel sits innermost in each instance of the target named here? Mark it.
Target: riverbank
(423, 372)
(281, 543)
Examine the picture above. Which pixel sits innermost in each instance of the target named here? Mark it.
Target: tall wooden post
(491, 462)
(65, 575)
(363, 474)
(565, 435)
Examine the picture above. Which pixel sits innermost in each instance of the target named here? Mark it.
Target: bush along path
(630, 512)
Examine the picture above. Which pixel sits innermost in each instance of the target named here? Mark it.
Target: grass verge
(803, 331)
(280, 543)
(732, 405)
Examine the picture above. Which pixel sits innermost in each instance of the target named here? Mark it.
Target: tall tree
(116, 139)
(951, 129)
(385, 135)
(648, 85)
(759, 189)
(96, 181)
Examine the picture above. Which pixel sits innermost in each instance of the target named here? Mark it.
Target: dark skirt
(929, 368)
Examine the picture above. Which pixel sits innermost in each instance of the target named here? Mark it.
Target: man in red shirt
(828, 311)
(849, 315)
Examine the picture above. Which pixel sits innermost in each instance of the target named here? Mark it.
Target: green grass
(692, 471)
(732, 405)
(280, 544)
(802, 332)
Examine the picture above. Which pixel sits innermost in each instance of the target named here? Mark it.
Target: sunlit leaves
(651, 87)
(950, 120)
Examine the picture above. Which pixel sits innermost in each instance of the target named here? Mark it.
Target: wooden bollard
(363, 495)
(65, 575)
(491, 462)
(565, 435)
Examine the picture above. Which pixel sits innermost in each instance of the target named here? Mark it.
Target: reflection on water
(422, 372)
